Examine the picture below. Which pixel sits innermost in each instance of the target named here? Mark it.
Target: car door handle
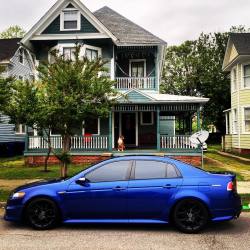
(119, 188)
(168, 186)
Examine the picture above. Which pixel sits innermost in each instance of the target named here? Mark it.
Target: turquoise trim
(116, 153)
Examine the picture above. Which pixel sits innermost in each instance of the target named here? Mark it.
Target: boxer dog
(120, 142)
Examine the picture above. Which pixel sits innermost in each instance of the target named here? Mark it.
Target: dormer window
(70, 20)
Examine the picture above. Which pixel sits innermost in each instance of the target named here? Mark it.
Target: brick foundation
(81, 159)
(193, 160)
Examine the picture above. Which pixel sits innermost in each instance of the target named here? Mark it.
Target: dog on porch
(120, 142)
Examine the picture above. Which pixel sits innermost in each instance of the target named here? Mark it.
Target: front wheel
(190, 216)
(42, 214)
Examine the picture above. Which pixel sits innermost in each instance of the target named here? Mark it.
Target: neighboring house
(237, 63)
(150, 122)
(18, 63)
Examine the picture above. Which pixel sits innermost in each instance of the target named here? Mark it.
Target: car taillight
(232, 186)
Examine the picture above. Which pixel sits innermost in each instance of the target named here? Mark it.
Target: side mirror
(82, 181)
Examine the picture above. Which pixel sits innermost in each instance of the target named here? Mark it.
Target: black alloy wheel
(42, 214)
(190, 216)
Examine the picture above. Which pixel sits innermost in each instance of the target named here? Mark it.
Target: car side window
(172, 172)
(115, 171)
(150, 170)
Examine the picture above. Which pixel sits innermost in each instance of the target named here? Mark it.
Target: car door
(152, 185)
(104, 196)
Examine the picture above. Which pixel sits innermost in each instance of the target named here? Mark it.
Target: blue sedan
(131, 189)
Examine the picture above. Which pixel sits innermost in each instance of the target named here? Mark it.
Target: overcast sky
(173, 20)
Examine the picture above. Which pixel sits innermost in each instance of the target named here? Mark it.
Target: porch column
(158, 129)
(110, 132)
(199, 119)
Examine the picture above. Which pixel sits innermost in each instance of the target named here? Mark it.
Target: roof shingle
(125, 30)
(241, 42)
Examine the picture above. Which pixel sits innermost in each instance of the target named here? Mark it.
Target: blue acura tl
(130, 189)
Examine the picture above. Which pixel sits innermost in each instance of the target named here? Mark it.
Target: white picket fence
(77, 142)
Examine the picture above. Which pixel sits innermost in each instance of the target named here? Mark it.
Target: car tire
(190, 216)
(42, 214)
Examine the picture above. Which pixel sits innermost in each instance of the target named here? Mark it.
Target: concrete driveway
(228, 235)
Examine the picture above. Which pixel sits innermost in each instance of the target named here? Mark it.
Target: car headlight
(18, 195)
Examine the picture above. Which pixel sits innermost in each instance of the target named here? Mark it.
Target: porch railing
(135, 82)
(176, 142)
(77, 142)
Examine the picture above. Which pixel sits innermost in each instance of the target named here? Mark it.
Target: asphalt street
(227, 235)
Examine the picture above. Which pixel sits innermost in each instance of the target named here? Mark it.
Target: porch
(100, 144)
(146, 129)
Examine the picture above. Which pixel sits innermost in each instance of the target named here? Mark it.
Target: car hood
(36, 184)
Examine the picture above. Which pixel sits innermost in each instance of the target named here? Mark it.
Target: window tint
(171, 171)
(150, 170)
(115, 171)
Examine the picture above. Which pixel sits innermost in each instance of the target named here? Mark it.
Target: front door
(128, 129)
(103, 197)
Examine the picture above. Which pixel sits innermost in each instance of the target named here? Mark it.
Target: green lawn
(4, 194)
(14, 168)
(225, 163)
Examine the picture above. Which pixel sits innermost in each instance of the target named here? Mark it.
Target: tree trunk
(65, 151)
(48, 155)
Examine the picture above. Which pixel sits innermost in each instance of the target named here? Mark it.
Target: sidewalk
(233, 156)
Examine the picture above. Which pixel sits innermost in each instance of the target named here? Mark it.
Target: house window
(247, 119)
(70, 20)
(235, 121)
(21, 56)
(147, 118)
(91, 54)
(234, 80)
(138, 68)
(91, 126)
(69, 53)
(247, 76)
(20, 129)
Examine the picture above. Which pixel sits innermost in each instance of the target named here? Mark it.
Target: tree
(66, 93)
(14, 31)
(195, 68)
(5, 93)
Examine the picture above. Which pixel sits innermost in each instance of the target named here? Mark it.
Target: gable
(54, 27)
(230, 54)
(48, 27)
(134, 96)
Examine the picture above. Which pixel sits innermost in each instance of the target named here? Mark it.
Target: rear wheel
(42, 214)
(190, 216)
